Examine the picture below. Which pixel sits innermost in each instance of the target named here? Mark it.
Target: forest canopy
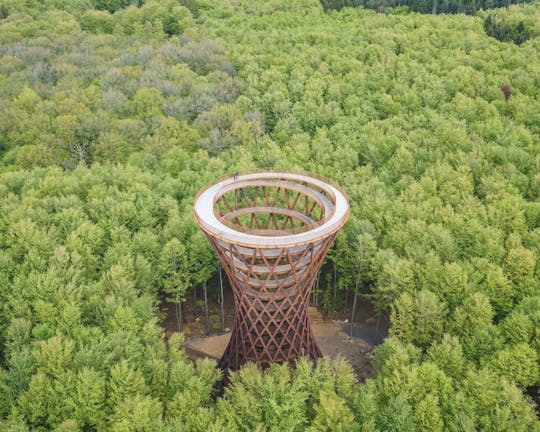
(113, 115)
(423, 6)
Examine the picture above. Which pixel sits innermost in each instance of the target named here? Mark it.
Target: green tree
(519, 363)
(395, 276)
(148, 103)
(332, 414)
(110, 5)
(448, 356)
(175, 273)
(97, 21)
(125, 382)
(170, 15)
(137, 413)
(90, 398)
(428, 414)
(397, 416)
(420, 319)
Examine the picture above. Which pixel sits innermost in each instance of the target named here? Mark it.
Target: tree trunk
(179, 315)
(222, 298)
(353, 313)
(335, 287)
(317, 290)
(195, 308)
(206, 308)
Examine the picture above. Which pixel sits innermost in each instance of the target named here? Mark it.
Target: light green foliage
(272, 400)
(174, 268)
(491, 279)
(419, 320)
(332, 414)
(134, 89)
(452, 282)
(472, 322)
(82, 348)
(438, 394)
(396, 275)
(366, 407)
(97, 21)
(138, 413)
(310, 397)
(35, 155)
(125, 383)
(173, 18)
(475, 313)
(353, 257)
(54, 355)
(518, 327)
(519, 363)
(497, 405)
(526, 313)
(91, 398)
(394, 354)
(114, 113)
(147, 103)
(448, 356)
(428, 414)
(519, 265)
(68, 426)
(397, 416)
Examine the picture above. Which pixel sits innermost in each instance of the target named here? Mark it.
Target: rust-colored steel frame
(271, 232)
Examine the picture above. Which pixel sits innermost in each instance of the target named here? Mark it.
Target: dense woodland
(113, 115)
(423, 6)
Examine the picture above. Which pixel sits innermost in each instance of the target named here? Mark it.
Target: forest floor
(334, 334)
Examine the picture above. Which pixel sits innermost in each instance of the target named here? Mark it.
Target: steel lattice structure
(271, 232)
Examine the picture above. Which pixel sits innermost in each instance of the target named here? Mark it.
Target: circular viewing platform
(271, 209)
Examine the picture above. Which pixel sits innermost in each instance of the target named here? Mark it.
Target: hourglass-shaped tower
(271, 231)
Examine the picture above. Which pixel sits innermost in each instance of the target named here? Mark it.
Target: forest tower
(271, 231)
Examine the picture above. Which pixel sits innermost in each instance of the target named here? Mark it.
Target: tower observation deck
(271, 232)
